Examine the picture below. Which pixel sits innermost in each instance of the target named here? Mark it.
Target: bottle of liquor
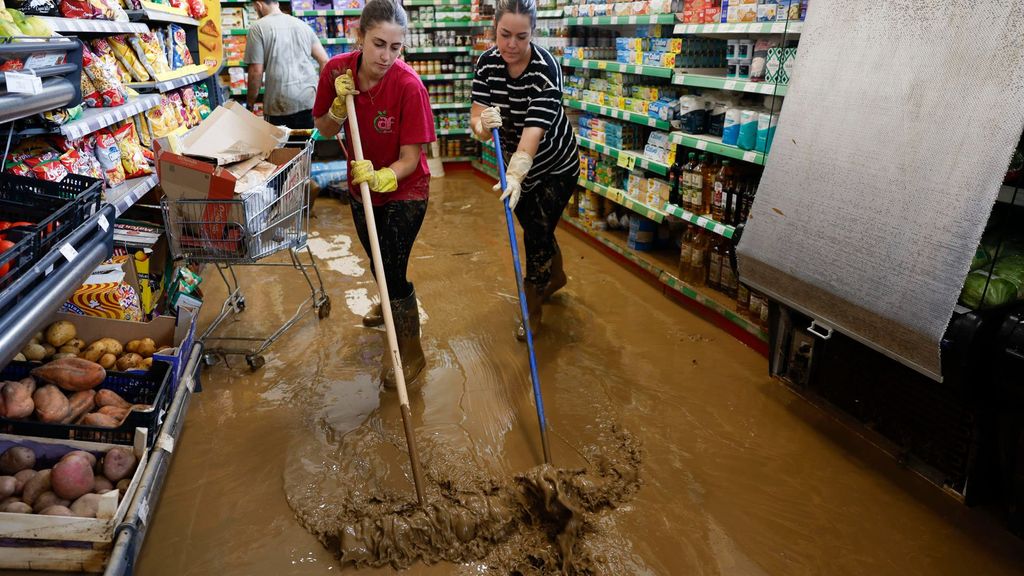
(724, 183)
(688, 181)
(715, 249)
(686, 252)
(698, 260)
(743, 300)
(730, 281)
(707, 173)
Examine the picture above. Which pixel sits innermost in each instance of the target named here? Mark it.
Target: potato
(57, 511)
(129, 361)
(86, 506)
(99, 420)
(17, 458)
(110, 345)
(116, 412)
(47, 499)
(69, 349)
(8, 486)
(18, 508)
(51, 404)
(34, 352)
(60, 355)
(147, 363)
(50, 350)
(118, 463)
(8, 500)
(60, 332)
(38, 338)
(108, 361)
(76, 343)
(81, 404)
(81, 454)
(122, 486)
(93, 353)
(35, 486)
(132, 346)
(72, 477)
(106, 397)
(23, 477)
(147, 348)
(17, 400)
(103, 485)
(19, 357)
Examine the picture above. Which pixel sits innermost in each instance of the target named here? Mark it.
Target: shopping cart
(265, 219)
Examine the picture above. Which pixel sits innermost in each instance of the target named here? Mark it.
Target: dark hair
(377, 11)
(528, 7)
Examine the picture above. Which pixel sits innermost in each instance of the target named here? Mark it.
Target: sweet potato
(110, 398)
(51, 404)
(57, 511)
(23, 477)
(86, 506)
(102, 485)
(99, 420)
(72, 477)
(35, 486)
(81, 403)
(47, 499)
(18, 400)
(129, 361)
(118, 463)
(115, 412)
(108, 361)
(17, 508)
(71, 374)
(8, 486)
(17, 458)
(81, 454)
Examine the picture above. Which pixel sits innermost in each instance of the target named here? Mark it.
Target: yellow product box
(641, 106)
(662, 59)
(674, 45)
(745, 13)
(111, 291)
(598, 136)
(636, 186)
(658, 190)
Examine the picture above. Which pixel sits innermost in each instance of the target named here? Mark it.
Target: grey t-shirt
(284, 45)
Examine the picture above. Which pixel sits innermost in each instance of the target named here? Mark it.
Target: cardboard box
(111, 291)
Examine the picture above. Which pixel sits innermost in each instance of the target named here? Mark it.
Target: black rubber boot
(375, 317)
(534, 295)
(407, 329)
(558, 278)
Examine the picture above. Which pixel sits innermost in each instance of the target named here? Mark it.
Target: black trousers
(538, 212)
(302, 120)
(398, 223)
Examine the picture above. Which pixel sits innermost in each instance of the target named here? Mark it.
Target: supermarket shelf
(634, 117)
(620, 197)
(153, 15)
(623, 20)
(452, 132)
(355, 12)
(93, 119)
(439, 50)
(752, 28)
(334, 41)
(641, 161)
(449, 24)
(656, 71)
(476, 52)
(724, 314)
(438, 3)
(236, 32)
(172, 84)
(131, 191)
(719, 83)
(462, 76)
(714, 145)
(97, 26)
(485, 169)
(458, 159)
(558, 13)
(452, 106)
(701, 221)
(245, 91)
(231, 63)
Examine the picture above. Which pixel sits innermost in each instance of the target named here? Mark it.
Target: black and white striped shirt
(532, 99)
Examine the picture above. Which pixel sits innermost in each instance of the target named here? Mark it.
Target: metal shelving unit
(459, 76)
(439, 50)
(621, 198)
(93, 119)
(720, 83)
(714, 145)
(618, 113)
(453, 132)
(125, 196)
(448, 24)
(622, 20)
(336, 41)
(795, 27)
(655, 71)
(94, 26)
(641, 161)
(452, 106)
(172, 84)
(701, 221)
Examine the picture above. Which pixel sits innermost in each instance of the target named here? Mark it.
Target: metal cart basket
(261, 221)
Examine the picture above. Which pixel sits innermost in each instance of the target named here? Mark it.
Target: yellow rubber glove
(383, 180)
(343, 86)
(518, 166)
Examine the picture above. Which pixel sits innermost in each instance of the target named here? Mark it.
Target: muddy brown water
(737, 475)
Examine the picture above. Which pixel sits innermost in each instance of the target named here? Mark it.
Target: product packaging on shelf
(111, 291)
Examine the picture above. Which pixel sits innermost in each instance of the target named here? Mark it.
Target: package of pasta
(90, 97)
(51, 170)
(126, 56)
(132, 158)
(81, 9)
(180, 56)
(197, 9)
(106, 80)
(20, 169)
(150, 53)
(109, 155)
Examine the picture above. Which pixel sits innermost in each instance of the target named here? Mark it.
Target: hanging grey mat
(891, 147)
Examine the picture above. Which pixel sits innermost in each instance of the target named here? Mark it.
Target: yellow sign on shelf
(626, 160)
(211, 45)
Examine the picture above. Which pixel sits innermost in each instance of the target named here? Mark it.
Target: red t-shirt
(399, 114)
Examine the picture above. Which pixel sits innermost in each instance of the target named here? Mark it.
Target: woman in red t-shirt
(395, 119)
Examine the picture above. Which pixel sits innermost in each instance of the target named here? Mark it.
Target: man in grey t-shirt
(283, 47)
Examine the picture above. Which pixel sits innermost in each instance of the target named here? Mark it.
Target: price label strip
(626, 160)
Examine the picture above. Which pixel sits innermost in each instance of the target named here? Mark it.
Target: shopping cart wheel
(255, 361)
(240, 304)
(210, 359)
(325, 308)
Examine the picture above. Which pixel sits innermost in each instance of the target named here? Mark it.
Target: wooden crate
(64, 543)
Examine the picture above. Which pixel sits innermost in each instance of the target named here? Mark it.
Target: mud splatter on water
(536, 522)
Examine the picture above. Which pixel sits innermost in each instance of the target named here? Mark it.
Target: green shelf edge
(327, 13)
(623, 20)
(651, 165)
(609, 111)
(439, 50)
(653, 71)
(649, 212)
(672, 281)
(712, 147)
(442, 77)
(709, 224)
(717, 83)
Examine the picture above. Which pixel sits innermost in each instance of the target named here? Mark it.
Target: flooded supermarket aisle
(673, 451)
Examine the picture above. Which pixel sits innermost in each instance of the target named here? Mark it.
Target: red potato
(87, 455)
(119, 463)
(23, 477)
(35, 486)
(73, 477)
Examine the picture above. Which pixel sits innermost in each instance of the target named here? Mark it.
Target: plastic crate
(152, 387)
(55, 208)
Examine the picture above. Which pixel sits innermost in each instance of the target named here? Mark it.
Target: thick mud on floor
(673, 451)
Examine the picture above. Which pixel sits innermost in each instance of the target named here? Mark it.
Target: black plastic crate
(54, 209)
(152, 387)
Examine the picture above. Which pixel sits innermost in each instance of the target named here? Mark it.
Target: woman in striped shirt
(518, 89)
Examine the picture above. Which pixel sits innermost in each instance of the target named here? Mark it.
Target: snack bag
(188, 96)
(51, 171)
(197, 9)
(158, 122)
(179, 107)
(42, 158)
(90, 97)
(126, 56)
(107, 82)
(81, 9)
(142, 129)
(109, 155)
(134, 162)
(87, 162)
(105, 53)
(31, 148)
(180, 55)
(203, 99)
(41, 7)
(150, 54)
(20, 169)
(112, 9)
